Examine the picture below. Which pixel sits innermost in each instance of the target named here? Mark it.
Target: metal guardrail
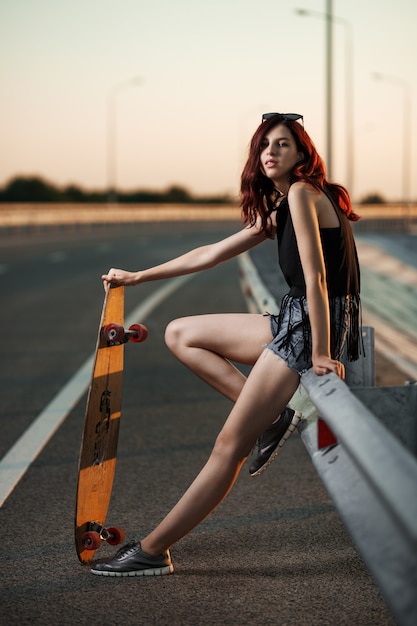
(370, 475)
(372, 479)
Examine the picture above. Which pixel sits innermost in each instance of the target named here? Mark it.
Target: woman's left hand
(324, 365)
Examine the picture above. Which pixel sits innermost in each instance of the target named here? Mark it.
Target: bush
(373, 198)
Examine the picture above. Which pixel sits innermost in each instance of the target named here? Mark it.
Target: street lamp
(329, 73)
(348, 89)
(329, 83)
(111, 133)
(406, 130)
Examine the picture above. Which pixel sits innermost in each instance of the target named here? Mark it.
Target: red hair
(256, 189)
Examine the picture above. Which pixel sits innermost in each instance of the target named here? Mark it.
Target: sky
(189, 81)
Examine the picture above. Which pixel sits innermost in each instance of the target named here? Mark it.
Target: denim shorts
(291, 331)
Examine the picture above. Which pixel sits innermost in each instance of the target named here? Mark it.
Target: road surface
(275, 551)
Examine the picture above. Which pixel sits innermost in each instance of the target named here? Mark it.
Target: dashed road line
(374, 257)
(389, 307)
(58, 257)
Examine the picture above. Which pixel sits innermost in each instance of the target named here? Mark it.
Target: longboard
(97, 461)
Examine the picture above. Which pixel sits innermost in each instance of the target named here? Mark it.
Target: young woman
(284, 192)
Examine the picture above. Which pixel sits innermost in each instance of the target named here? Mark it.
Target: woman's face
(279, 154)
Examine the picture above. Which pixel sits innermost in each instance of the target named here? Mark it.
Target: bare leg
(269, 387)
(207, 343)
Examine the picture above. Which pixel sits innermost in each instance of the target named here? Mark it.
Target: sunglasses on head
(292, 117)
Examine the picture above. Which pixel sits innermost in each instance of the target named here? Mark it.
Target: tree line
(36, 189)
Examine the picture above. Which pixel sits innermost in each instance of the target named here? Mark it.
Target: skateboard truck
(115, 334)
(96, 533)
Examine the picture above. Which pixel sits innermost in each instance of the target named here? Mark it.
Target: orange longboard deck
(97, 462)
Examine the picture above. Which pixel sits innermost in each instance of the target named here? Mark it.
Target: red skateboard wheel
(116, 535)
(91, 540)
(140, 333)
(114, 333)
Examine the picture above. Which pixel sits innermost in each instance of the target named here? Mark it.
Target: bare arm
(202, 258)
(303, 201)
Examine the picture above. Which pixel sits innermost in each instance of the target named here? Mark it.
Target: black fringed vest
(342, 272)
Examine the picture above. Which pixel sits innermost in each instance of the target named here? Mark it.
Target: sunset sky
(208, 70)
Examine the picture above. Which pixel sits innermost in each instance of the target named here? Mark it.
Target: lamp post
(111, 133)
(329, 86)
(348, 92)
(406, 165)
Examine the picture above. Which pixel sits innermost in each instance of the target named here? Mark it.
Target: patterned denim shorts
(291, 332)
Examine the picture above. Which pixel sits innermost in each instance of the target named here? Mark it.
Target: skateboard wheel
(91, 540)
(141, 333)
(116, 535)
(114, 333)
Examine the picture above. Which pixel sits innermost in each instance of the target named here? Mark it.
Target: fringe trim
(354, 339)
(286, 309)
(345, 325)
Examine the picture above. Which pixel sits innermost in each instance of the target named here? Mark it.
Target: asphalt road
(275, 551)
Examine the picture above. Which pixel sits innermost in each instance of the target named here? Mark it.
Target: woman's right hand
(324, 365)
(119, 277)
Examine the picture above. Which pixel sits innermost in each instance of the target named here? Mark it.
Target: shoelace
(127, 548)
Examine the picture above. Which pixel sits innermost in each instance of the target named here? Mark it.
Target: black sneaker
(130, 560)
(271, 441)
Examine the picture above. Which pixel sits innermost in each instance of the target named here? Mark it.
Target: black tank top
(342, 272)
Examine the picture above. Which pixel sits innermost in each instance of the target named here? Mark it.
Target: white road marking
(398, 347)
(104, 247)
(378, 260)
(27, 448)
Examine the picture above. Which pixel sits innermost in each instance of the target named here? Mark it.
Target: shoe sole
(158, 571)
(291, 428)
